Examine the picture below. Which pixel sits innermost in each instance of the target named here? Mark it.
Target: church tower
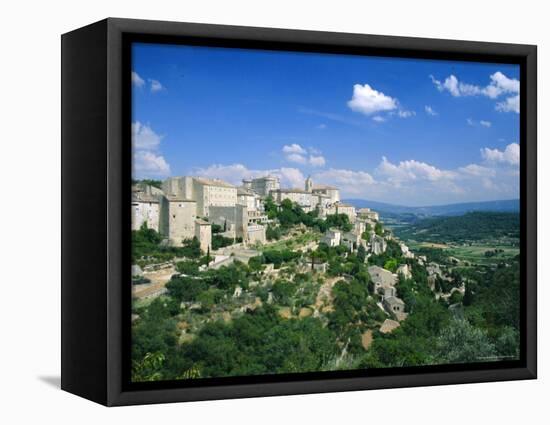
(309, 184)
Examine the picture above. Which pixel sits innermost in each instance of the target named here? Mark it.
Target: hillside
(474, 226)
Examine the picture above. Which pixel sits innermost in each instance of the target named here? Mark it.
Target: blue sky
(410, 132)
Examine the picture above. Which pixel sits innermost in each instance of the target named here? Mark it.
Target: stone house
(404, 269)
(145, 209)
(394, 305)
(384, 281)
(203, 232)
(178, 216)
(378, 244)
(332, 237)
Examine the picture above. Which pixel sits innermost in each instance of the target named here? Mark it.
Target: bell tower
(309, 184)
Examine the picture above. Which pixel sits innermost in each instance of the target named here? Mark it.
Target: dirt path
(323, 302)
(158, 278)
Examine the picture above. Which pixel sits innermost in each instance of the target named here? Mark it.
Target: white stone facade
(203, 233)
(256, 233)
(145, 211)
(368, 214)
(331, 191)
(378, 244)
(178, 219)
(332, 237)
(299, 196)
(264, 185)
(206, 192)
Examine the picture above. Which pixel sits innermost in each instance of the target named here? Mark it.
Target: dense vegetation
(147, 247)
(234, 321)
(290, 214)
(472, 226)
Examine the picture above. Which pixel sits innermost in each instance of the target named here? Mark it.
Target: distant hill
(462, 228)
(511, 205)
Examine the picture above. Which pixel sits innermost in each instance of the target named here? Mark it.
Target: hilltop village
(262, 279)
(208, 211)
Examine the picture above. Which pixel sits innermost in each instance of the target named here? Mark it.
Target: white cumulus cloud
(300, 155)
(137, 80)
(477, 171)
(509, 155)
(368, 101)
(317, 160)
(412, 170)
(294, 148)
(510, 104)
(296, 157)
(149, 164)
(499, 85)
(235, 173)
(350, 182)
(143, 136)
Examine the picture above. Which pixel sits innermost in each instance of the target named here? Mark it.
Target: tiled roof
(388, 326)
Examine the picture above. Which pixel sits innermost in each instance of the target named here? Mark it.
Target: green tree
(361, 254)
(391, 265)
(461, 342)
(185, 288)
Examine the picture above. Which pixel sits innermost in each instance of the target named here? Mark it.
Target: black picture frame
(96, 171)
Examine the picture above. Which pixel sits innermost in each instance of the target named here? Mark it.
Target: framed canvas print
(254, 212)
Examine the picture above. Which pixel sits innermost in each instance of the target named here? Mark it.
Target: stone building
(404, 269)
(256, 233)
(299, 196)
(248, 198)
(378, 244)
(147, 188)
(341, 208)
(331, 191)
(405, 251)
(206, 192)
(234, 218)
(257, 217)
(212, 193)
(178, 186)
(381, 278)
(203, 233)
(177, 221)
(321, 201)
(263, 185)
(332, 237)
(308, 185)
(352, 240)
(368, 214)
(145, 209)
(241, 222)
(359, 227)
(396, 306)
